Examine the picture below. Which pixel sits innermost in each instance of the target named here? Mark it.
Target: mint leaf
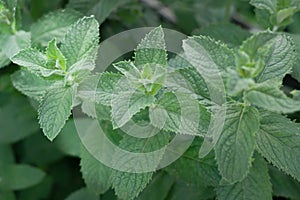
(200, 172)
(129, 185)
(16, 177)
(236, 144)
(82, 193)
(275, 51)
(81, 42)
(54, 110)
(35, 62)
(55, 57)
(152, 49)
(4, 60)
(101, 9)
(96, 175)
(278, 141)
(124, 105)
(32, 85)
(52, 26)
(269, 5)
(16, 43)
(266, 95)
(255, 186)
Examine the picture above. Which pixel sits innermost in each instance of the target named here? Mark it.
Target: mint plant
(215, 121)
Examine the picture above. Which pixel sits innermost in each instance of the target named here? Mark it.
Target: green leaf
(68, 140)
(126, 104)
(7, 195)
(178, 112)
(266, 95)
(6, 155)
(101, 9)
(35, 62)
(96, 175)
(236, 144)
(55, 57)
(81, 194)
(284, 185)
(228, 33)
(255, 186)
(81, 43)
(31, 84)
(276, 51)
(128, 185)
(52, 26)
(152, 49)
(4, 60)
(17, 177)
(191, 169)
(17, 120)
(16, 43)
(269, 5)
(54, 110)
(158, 188)
(278, 140)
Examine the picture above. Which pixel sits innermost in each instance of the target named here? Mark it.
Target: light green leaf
(68, 140)
(16, 43)
(81, 194)
(255, 186)
(129, 185)
(236, 144)
(17, 177)
(276, 51)
(267, 95)
(54, 110)
(52, 26)
(81, 42)
(126, 104)
(152, 49)
(31, 84)
(101, 9)
(200, 172)
(278, 140)
(55, 58)
(180, 113)
(96, 175)
(269, 5)
(35, 62)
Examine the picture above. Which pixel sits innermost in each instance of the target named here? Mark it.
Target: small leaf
(278, 140)
(255, 186)
(54, 111)
(236, 144)
(55, 57)
(152, 49)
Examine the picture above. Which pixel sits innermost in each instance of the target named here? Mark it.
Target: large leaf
(236, 144)
(129, 184)
(96, 175)
(81, 42)
(16, 43)
(52, 26)
(16, 177)
(99, 8)
(255, 186)
(54, 111)
(278, 140)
